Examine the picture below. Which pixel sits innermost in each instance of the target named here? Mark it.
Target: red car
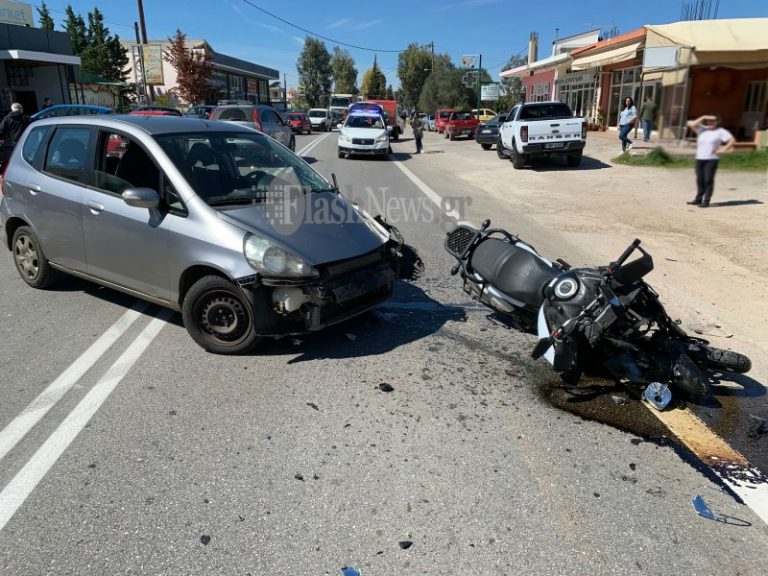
(299, 122)
(461, 123)
(154, 111)
(441, 117)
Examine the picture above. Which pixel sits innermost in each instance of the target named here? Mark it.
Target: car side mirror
(141, 198)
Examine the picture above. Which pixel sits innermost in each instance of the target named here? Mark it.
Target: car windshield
(317, 113)
(444, 114)
(463, 116)
(365, 122)
(239, 168)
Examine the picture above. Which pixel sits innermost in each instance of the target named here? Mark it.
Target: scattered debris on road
(384, 387)
(405, 544)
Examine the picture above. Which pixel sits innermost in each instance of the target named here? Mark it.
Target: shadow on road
(557, 164)
(728, 203)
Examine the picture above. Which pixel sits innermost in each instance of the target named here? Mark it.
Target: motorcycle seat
(513, 271)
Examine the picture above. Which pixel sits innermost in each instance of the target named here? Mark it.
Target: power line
(315, 34)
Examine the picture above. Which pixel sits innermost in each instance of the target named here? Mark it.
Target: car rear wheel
(574, 159)
(218, 317)
(485, 146)
(30, 261)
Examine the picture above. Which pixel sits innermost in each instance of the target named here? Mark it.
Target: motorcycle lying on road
(589, 319)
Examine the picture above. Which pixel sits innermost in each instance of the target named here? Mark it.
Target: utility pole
(479, 83)
(285, 94)
(432, 45)
(144, 41)
(138, 63)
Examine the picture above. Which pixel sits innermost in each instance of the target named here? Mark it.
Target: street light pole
(479, 83)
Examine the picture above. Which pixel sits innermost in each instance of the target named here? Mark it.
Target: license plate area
(553, 145)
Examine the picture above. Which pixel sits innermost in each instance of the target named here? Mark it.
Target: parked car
(155, 111)
(200, 111)
(70, 110)
(460, 123)
(441, 117)
(364, 133)
(180, 220)
(487, 134)
(299, 122)
(429, 123)
(260, 117)
(320, 119)
(541, 129)
(483, 114)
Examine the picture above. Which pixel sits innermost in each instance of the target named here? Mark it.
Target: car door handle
(95, 206)
(34, 189)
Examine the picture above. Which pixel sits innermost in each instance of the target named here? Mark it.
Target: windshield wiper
(223, 201)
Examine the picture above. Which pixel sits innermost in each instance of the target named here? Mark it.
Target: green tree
(193, 68)
(44, 17)
(103, 54)
(315, 74)
(515, 92)
(445, 89)
(374, 83)
(414, 65)
(344, 72)
(74, 25)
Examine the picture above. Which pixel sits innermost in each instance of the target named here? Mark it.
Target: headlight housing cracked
(270, 259)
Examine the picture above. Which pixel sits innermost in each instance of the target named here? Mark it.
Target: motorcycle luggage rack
(459, 240)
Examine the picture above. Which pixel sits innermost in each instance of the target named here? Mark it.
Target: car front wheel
(30, 261)
(218, 316)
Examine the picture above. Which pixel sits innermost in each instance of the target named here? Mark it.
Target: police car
(364, 132)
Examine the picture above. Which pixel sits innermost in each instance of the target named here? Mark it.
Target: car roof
(153, 125)
(72, 107)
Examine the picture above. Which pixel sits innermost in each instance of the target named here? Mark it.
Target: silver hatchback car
(263, 118)
(207, 218)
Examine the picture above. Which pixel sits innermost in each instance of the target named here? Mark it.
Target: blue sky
(496, 29)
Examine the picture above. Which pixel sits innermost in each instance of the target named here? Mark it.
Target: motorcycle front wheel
(712, 357)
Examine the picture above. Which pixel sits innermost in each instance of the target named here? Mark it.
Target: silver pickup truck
(542, 129)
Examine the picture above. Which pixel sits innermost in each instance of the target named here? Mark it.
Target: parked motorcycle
(588, 319)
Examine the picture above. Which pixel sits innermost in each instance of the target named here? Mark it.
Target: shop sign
(16, 13)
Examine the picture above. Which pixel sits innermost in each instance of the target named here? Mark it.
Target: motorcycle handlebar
(631, 248)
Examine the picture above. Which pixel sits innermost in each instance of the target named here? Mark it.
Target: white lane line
(25, 481)
(39, 407)
(312, 144)
(436, 199)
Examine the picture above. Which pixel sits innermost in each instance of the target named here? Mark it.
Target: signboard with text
(16, 13)
(489, 92)
(153, 64)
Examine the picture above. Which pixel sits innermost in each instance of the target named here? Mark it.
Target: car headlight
(271, 260)
(382, 138)
(344, 137)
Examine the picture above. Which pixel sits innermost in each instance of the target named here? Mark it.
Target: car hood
(321, 227)
(363, 132)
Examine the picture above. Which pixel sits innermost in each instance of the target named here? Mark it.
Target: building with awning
(540, 78)
(35, 64)
(614, 65)
(232, 78)
(710, 67)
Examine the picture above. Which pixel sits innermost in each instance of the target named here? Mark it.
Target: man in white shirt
(711, 142)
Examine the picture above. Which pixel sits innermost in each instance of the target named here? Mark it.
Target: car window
(444, 114)
(239, 168)
(234, 114)
(267, 117)
(67, 154)
(32, 143)
(553, 110)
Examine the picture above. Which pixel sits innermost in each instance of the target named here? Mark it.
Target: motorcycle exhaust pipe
(498, 301)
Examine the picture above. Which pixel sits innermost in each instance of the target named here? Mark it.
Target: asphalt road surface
(127, 449)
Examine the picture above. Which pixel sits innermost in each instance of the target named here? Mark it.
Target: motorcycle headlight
(382, 138)
(566, 288)
(271, 260)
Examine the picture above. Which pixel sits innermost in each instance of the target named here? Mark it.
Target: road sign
(489, 91)
(469, 79)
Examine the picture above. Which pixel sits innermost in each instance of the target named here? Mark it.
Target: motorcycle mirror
(541, 347)
(486, 223)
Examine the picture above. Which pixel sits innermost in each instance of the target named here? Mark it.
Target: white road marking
(25, 481)
(312, 144)
(13, 433)
(436, 199)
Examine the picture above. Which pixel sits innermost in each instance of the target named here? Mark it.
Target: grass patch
(752, 160)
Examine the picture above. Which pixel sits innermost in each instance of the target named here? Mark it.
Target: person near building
(647, 115)
(712, 140)
(418, 130)
(627, 118)
(11, 129)
(47, 103)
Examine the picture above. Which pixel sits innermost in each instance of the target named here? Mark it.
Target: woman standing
(627, 119)
(710, 143)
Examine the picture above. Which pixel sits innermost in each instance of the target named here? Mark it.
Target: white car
(320, 119)
(364, 134)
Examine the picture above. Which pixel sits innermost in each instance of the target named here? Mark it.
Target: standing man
(11, 129)
(47, 103)
(647, 114)
(418, 130)
(711, 142)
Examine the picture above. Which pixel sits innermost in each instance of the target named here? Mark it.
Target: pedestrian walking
(711, 141)
(418, 130)
(11, 129)
(627, 118)
(647, 115)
